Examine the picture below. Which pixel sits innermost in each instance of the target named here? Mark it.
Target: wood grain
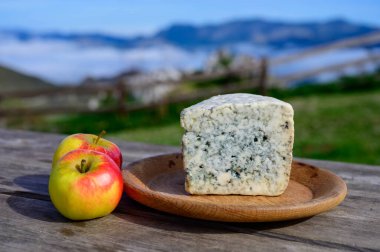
(158, 182)
(29, 222)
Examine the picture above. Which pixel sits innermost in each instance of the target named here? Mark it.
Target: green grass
(341, 127)
(167, 135)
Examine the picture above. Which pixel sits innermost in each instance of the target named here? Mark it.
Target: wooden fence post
(263, 76)
(163, 107)
(1, 115)
(121, 95)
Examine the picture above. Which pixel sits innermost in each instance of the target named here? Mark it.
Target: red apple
(85, 184)
(89, 142)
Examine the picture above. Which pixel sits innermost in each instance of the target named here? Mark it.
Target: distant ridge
(263, 32)
(11, 80)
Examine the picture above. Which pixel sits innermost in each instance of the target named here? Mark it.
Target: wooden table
(29, 221)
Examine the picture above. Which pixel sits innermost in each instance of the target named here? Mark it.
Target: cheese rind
(238, 144)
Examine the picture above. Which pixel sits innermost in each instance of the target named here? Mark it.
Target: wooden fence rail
(331, 68)
(341, 44)
(94, 89)
(121, 90)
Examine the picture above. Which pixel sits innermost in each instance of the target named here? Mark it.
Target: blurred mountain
(11, 80)
(246, 31)
(262, 32)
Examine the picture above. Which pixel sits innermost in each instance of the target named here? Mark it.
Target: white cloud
(64, 62)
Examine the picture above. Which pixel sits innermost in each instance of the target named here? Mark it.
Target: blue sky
(146, 16)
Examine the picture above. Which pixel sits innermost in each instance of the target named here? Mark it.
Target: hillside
(11, 80)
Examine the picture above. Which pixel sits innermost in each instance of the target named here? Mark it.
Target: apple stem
(82, 164)
(101, 134)
(82, 168)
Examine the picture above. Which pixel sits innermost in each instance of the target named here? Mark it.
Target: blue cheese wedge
(238, 144)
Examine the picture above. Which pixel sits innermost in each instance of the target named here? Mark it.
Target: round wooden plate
(158, 182)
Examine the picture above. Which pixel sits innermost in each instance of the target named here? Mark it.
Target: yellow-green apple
(85, 184)
(88, 142)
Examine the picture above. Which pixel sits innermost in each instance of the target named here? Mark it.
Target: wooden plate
(158, 182)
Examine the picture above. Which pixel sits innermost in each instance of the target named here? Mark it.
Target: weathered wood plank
(356, 215)
(42, 146)
(29, 224)
(28, 221)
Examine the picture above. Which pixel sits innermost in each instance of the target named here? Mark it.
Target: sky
(135, 17)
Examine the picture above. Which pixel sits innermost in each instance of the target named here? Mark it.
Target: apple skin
(87, 142)
(89, 195)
